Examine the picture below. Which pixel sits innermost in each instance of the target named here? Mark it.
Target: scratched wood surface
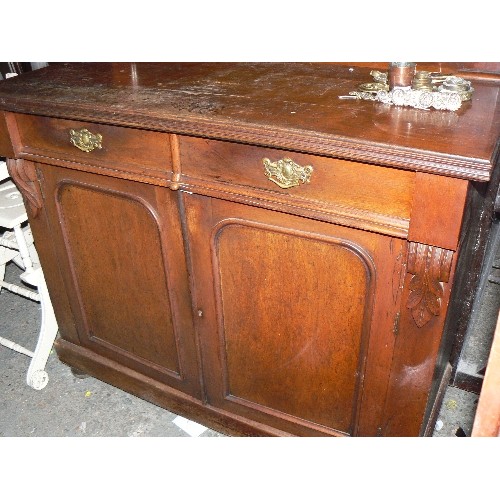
(218, 277)
(292, 105)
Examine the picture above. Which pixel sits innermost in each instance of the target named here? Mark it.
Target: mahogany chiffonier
(235, 243)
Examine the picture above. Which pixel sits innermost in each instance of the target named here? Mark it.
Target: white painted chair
(16, 245)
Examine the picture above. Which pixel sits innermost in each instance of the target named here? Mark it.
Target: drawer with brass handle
(352, 189)
(109, 146)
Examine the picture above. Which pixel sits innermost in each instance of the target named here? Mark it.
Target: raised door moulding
(430, 267)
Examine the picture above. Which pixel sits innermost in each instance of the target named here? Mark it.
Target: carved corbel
(24, 175)
(430, 267)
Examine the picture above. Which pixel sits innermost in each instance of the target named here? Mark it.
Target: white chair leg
(19, 248)
(15, 347)
(23, 248)
(19, 290)
(37, 377)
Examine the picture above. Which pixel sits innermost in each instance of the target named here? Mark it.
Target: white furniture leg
(6, 255)
(37, 377)
(2, 275)
(15, 347)
(23, 248)
(17, 246)
(19, 290)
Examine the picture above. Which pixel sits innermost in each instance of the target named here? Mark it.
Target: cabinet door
(120, 251)
(295, 317)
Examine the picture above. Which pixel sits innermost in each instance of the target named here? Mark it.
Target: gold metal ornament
(85, 140)
(372, 86)
(423, 92)
(286, 173)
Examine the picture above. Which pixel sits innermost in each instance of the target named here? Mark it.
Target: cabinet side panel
(425, 300)
(437, 211)
(294, 319)
(114, 248)
(6, 148)
(30, 181)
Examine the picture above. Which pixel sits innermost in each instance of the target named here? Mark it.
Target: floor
(73, 407)
(67, 406)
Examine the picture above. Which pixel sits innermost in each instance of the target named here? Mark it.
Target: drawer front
(327, 184)
(110, 146)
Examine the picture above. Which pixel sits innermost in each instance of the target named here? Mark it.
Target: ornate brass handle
(286, 173)
(85, 140)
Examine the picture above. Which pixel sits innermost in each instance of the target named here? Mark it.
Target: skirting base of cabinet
(146, 388)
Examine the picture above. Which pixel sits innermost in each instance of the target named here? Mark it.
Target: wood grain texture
(181, 273)
(430, 268)
(413, 369)
(160, 394)
(270, 355)
(99, 252)
(24, 175)
(336, 192)
(437, 210)
(309, 352)
(212, 100)
(122, 148)
(6, 149)
(126, 280)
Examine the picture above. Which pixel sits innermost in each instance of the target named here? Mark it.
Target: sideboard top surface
(286, 105)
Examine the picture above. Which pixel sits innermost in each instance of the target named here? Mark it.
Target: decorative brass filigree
(423, 92)
(430, 267)
(85, 140)
(286, 173)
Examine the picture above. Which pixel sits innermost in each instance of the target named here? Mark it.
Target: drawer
(117, 147)
(327, 184)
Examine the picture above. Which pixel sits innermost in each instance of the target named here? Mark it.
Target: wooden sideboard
(235, 243)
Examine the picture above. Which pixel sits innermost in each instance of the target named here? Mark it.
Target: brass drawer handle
(286, 173)
(85, 140)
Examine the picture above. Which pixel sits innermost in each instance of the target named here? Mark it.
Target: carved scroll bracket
(430, 267)
(24, 175)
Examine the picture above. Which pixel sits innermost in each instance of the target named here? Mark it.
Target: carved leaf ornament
(430, 267)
